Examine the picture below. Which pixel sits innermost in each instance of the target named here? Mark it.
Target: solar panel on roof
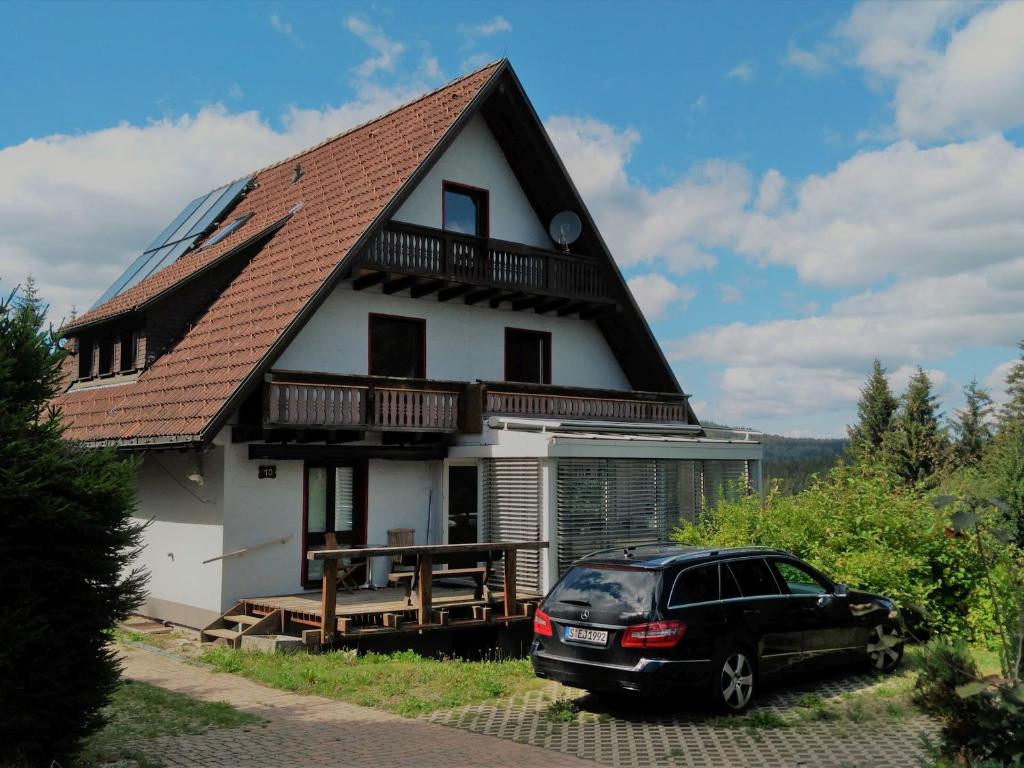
(178, 237)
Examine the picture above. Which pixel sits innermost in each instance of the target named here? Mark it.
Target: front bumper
(646, 677)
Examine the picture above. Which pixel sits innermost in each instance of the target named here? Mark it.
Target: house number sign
(267, 471)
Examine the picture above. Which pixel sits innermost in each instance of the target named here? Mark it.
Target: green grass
(403, 683)
(139, 711)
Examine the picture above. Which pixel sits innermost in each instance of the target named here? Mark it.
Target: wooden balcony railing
(415, 250)
(363, 402)
(319, 401)
(541, 401)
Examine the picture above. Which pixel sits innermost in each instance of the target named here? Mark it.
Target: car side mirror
(840, 590)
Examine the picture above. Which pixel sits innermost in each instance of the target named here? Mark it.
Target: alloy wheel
(885, 647)
(737, 681)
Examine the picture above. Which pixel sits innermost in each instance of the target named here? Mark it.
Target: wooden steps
(239, 622)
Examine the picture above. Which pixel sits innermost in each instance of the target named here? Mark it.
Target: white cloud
(743, 71)
(388, 51)
(770, 192)
(75, 210)
(956, 69)
(729, 294)
(285, 28)
(995, 382)
(495, 26)
(655, 294)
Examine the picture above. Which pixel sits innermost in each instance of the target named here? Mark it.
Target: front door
(463, 512)
(335, 502)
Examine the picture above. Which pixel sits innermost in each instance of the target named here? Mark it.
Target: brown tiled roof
(347, 182)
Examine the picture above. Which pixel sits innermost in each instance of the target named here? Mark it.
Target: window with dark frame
(464, 209)
(334, 503)
(128, 344)
(84, 359)
(527, 356)
(106, 355)
(397, 346)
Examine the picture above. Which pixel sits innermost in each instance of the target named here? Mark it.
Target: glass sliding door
(335, 502)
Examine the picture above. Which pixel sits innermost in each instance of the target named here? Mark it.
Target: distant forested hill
(792, 460)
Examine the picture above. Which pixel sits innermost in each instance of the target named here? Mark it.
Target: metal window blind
(512, 511)
(605, 503)
(722, 480)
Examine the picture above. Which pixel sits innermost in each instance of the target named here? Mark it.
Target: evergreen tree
(971, 427)
(1013, 410)
(875, 413)
(917, 447)
(66, 544)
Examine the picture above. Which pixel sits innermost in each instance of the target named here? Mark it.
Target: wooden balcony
(317, 402)
(548, 402)
(324, 402)
(425, 260)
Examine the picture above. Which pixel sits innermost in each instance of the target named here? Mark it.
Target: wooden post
(328, 601)
(425, 565)
(510, 582)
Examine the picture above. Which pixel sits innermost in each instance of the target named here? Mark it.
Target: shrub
(66, 541)
(982, 724)
(866, 529)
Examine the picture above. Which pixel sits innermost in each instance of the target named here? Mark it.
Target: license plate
(583, 635)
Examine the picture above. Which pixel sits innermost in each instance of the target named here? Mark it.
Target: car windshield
(607, 589)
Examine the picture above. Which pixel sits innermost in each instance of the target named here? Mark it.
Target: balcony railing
(364, 403)
(415, 250)
(318, 401)
(542, 401)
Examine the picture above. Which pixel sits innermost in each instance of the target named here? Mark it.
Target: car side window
(754, 577)
(695, 585)
(799, 580)
(730, 589)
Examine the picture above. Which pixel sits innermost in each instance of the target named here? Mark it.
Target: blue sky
(792, 188)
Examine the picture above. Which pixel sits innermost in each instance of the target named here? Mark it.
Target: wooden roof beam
(399, 284)
(426, 288)
(475, 297)
(574, 307)
(368, 281)
(549, 305)
(452, 292)
(501, 297)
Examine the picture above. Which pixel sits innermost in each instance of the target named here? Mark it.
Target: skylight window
(227, 230)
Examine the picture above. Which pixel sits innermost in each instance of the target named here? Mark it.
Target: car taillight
(657, 634)
(541, 624)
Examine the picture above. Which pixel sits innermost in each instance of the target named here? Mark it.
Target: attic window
(464, 209)
(84, 359)
(234, 225)
(106, 355)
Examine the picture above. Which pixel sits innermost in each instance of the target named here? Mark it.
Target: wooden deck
(387, 610)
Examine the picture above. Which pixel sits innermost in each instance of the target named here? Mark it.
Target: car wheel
(733, 680)
(885, 647)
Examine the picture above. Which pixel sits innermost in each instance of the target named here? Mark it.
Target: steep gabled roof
(350, 186)
(346, 185)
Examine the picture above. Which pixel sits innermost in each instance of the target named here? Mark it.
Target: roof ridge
(382, 116)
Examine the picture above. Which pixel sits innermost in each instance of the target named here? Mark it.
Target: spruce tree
(917, 447)
(875, 413)
(1012, 411)
(66, 546)
(971, 427)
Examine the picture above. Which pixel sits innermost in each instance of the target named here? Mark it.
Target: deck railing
(416, 250)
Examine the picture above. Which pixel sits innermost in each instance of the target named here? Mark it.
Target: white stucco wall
(464, 343)
(256, 511)
(476, 159)
(186, 528)
(400, 495)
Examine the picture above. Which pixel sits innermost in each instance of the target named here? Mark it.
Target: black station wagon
(651, 619)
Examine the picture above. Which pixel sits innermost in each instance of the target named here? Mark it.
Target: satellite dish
(565, 229)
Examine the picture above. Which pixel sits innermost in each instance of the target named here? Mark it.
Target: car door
(827, 625)
(763, 611)
(694, 599)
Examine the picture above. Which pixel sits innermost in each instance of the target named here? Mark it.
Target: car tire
(885, 647)
(733, 680)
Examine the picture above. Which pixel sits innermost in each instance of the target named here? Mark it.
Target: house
(385, 332)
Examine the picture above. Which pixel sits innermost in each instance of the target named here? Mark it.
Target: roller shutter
(512, 512)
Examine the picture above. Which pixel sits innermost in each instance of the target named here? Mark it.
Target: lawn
(139, 711)
(402, 683)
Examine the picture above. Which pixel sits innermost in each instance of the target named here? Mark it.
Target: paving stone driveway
(681, 734)
(312, 731)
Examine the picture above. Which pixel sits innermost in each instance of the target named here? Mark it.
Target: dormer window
(84, 359)
(464, 209)
(129, 346)
(106, 356)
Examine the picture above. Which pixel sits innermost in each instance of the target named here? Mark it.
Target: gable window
(527, 356)
(464, 209)
(398, 346)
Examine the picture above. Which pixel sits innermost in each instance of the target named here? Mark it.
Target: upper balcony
(424, 260)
